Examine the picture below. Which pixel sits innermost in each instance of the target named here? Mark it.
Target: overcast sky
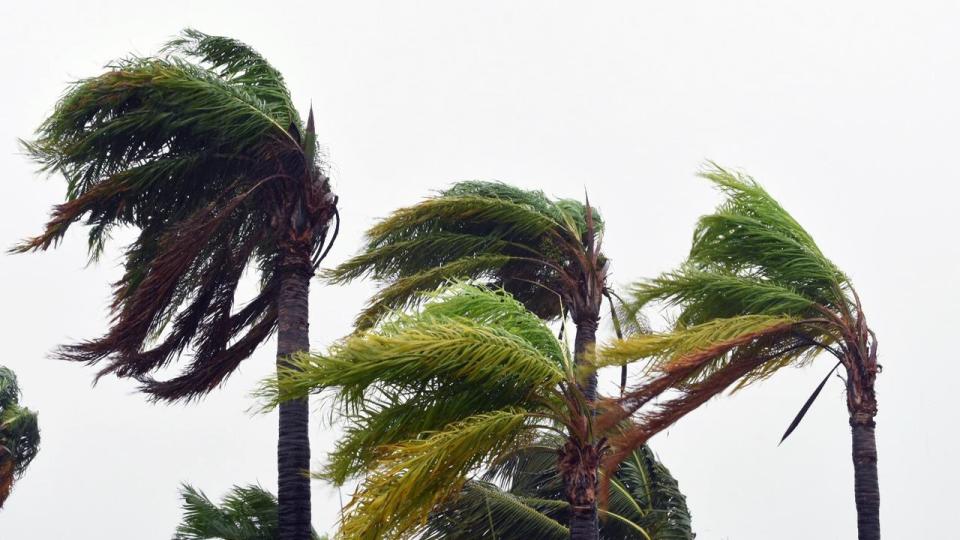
(846, 111)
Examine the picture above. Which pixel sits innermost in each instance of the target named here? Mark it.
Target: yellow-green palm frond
(686, 346)
(468, 350)
(415, 476)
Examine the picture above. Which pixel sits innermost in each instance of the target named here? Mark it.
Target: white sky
(847, 112)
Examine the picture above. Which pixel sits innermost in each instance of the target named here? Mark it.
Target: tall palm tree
(644, 502)
(430, 397)
(756, 294)
(201, 151)
(544, 252)
(246, 513)
(19, 434)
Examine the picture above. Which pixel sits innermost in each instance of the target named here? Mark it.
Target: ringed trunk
(584, 354)
(866, 483)
(293, 444)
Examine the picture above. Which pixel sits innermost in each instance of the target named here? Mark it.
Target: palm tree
(756, 294)
(430, 397)
(19, 434)
(246, 513)
(544, 252)
(644, 502)
(201, 151)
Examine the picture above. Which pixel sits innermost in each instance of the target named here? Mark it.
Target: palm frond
(415, 476)
(19, 434)
(246, 513)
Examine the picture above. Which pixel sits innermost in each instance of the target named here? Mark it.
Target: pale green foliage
(429, 397)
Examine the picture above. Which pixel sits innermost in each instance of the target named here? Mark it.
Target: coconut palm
(202, 153)
(544, 252)
(19, 434)
(755, 294)
(246, 513)
(430, 397)
(644, 503)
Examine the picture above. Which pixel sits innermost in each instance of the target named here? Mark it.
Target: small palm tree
(19, 434)
(544, 252)
(201, 151)
(246, 513)
(430, 397)
(644, 502)
(755, 294)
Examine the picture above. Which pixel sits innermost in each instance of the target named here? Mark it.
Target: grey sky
(847, 112)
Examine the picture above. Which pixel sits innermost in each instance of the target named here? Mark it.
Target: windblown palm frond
(201, 151)
(756, 294)
(433, 396)
(246, 513)
(530, 245)
(19, 434)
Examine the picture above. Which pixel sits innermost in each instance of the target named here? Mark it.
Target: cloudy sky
(847, 112)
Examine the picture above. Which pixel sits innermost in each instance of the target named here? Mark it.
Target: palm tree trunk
(579, 462)
(584, 353)
(866, 484)
(293, 445)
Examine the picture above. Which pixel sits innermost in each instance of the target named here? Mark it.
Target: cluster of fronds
(201, 151)
(534, 247)
(246, 513)
(430, 396)
(644, 503)
(755, 294)
(19, 433)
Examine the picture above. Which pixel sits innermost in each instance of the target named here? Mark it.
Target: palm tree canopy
(522, 241)
(754, 295)
(644, 501)
(432, 396)
(428, 397)
(201, 151)
(19, 433)
(246, 513)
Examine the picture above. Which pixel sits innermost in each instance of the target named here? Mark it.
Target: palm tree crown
(755, 294)
(431, 396)
(19, 433)
(202, 152)
(544, 252)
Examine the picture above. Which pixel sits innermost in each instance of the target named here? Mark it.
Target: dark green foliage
(522, 241)
(246, 513)
(201, 151)
(19, 434)
(644, 501)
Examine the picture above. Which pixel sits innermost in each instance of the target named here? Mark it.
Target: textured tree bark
(293, 445)
(584, 352)
(578, 464)
(866, 484)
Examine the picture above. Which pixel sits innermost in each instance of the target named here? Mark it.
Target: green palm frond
(644, 501)
(246, 513)
(755, 294)
(200, 151)
(489, 232)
